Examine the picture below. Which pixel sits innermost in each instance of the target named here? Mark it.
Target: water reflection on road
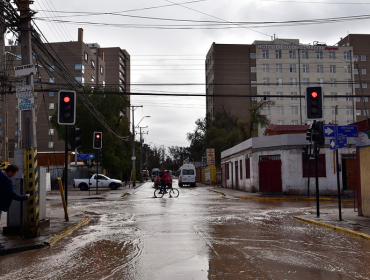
(200, 235)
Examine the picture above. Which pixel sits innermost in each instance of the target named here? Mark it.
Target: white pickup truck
(103, 182)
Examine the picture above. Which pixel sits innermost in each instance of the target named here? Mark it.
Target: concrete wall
(365, 179)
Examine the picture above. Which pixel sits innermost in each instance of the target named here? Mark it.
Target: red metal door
(270, 175)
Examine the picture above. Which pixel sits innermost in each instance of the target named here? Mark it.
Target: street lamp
(141, 120)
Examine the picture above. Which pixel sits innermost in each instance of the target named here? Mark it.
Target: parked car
(103, 182)
(187, 175)
(157, 180)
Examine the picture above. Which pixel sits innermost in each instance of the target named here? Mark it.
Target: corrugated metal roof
(288, 127)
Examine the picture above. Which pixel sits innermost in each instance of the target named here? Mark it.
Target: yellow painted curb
(125, 194)
(65, 232)
(340, 229)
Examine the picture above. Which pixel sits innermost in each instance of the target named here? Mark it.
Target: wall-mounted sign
(210, 156)
(25, 97)
(24, 70)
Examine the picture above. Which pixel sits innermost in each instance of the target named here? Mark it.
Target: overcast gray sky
(160, 55)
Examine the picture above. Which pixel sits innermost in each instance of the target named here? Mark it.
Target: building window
(363, 71)
(51, 145)
(51, 80)
(366, 112)
(357, 85)
(51, 106)
(266, 81)
(333, 69)
(78, 67)
(292, 54)
(241, 169)
(305, 68)
(346, 55)
(253, 83)
(279, 68)
(319, 54)
(101, 70)
(265, 68)
(331, 54)
(121, 81)
(253, 69)
(265, 54)
(280, 122)
(16, 132)
(86, 56)
(333, 110)
(363, 57)
(306, 82)
(294, 122)
(266, 94)
(253, 55)
(348, 83)
(92, 78)
(279, 82)
(321, 167)
(51, 93)
(292, 68)
(364, 85)
(346, 69)
(294, 110)
(227, 171)
(280, 97)
(348, 96)
(333, 96)
(366, 99)
(349, 111)
(52, 68)
(280, 110)
(1, 133)
(92, 63)
(320, 69)
(293, 96)
(51, 131)
(355, 58)
(278, 54)
(18, 57)
(50, 118)
(358, 112)
(35, 80)
(333, 82)
(247, 168)
(293, 82)
(358, 99)
(305, 54)
(267, 110)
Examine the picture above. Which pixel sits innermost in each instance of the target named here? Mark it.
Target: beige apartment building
(87, 65)
(280, 70)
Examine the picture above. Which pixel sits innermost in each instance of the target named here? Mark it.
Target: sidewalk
(351, 222)
(58, 224)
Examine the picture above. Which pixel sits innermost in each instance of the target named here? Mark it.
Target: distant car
(187, 175)
(157, 180)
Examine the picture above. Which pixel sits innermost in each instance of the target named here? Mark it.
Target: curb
(55, 238)
(324, 199)
(336, 228)
(10, 251)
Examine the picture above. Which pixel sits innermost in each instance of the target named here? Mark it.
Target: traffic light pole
(317, 150)
(66, 166)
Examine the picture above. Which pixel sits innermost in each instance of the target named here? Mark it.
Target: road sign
(25, 97)
(329, 131)
(25, 70)
(86, 156)
(349, 131)
(133, 158)
(338, 143)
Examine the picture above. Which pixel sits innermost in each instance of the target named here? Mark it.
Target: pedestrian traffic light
(66, 107)
(318, 133)
(305, 151)
(98, 141)
(76, 137)
(309, 134)
(314, 103)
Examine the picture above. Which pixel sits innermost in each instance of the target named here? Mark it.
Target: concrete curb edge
(336, 228)
(63, 233)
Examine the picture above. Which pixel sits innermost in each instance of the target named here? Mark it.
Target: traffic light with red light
(66, 107)
(314, 103)
(98, 141)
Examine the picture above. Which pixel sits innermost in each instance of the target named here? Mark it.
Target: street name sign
(338, 143)
(349, 131)
(86, 156)
(25, 70)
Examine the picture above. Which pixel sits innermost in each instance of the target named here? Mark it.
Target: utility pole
(32, 220)
(133, 147)
(141, 152)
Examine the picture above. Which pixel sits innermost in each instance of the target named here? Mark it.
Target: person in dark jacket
(7, 193)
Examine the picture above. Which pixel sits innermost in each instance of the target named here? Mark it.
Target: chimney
(80, 35)
(101, 54)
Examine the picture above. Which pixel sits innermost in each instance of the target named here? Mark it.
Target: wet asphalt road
(200, 235)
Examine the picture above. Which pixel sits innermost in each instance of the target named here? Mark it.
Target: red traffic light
(97, 136)
(66, 99)
(314, 94)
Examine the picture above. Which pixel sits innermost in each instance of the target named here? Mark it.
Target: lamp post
(133, 150)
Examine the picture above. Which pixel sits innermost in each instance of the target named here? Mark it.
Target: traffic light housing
(314, 103)
(318, 135)
(66, 107)
(76, 138)
(309, 134)
(98, 141)
(100, 155)
(305, 151)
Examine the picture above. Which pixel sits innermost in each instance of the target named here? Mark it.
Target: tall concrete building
(279, 70)
(87, 66)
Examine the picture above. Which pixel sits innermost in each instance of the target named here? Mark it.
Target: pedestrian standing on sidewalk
(7, 193)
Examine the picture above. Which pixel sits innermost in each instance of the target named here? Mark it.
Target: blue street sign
(338, 143)
(329, 131)
(86, 156)
(349, 131)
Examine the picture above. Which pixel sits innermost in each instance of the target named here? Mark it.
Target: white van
(187, 175)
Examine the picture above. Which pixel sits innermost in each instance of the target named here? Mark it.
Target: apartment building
(361, 63)
(86, 64)
(279, 70)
